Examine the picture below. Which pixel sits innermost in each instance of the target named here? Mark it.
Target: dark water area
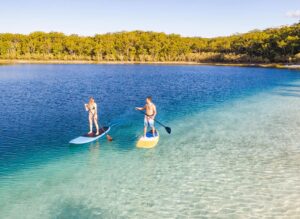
(42, 105)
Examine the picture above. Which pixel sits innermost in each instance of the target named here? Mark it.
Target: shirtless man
(149, 116)
(93, 115)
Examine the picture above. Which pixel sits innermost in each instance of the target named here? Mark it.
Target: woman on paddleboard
(91, 107)
(149, 116)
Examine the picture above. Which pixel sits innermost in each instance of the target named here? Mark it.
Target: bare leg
(91, 123)
(145, 126)
(97, 126)
(145, 131)
(153, 131)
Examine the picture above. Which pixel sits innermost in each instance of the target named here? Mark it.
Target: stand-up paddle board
(86, 138)
(149, 141)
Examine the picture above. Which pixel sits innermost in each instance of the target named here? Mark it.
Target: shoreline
(24, 61)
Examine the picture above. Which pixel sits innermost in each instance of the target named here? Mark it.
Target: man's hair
(149, 98)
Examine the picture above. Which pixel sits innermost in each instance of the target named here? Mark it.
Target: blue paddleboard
(87, 138)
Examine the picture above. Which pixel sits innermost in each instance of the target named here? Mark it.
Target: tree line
(273, 45)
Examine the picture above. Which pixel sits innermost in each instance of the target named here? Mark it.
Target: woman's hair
(91, 101)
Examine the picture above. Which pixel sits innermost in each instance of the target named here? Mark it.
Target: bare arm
(140, 108)
(86, 107)
(154, 111)
(96, 109)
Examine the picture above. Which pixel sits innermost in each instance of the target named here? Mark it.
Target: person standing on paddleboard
(149, 116)
(93, 115)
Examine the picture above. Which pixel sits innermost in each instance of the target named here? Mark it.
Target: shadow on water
(288, 90)
(84, 147)
(287, 94)
(74, 211)
(289, 85)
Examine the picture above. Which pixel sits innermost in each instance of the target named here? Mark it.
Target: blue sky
(206, 18)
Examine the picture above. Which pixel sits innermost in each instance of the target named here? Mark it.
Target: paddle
(168, 129)
(108, 137)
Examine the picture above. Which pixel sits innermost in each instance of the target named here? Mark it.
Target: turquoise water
(234, 150)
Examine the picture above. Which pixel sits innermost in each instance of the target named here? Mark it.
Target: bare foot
(97, 133)
(90, 132)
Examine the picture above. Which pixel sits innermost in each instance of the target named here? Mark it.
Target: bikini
(90, 110)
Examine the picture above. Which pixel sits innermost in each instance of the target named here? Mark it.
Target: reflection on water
(94, 149)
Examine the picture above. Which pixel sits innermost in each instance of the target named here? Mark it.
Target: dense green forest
(278, 45)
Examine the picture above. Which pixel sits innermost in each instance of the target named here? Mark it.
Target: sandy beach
(22, 61)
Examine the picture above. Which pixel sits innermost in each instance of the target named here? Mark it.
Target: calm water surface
(234, 151)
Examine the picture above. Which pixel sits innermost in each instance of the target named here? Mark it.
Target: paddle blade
(109, 138)
(168, 129)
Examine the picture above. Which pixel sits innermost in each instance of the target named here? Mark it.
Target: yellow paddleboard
(149, 141)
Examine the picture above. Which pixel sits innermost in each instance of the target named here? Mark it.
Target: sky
(203, 18)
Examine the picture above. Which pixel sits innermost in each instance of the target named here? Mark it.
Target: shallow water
(234, 151)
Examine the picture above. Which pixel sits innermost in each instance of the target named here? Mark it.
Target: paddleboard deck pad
(149, 141)
(87, 138)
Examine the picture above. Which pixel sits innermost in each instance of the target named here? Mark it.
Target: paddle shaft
(154, 119)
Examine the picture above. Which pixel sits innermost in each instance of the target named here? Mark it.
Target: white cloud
(293, 14)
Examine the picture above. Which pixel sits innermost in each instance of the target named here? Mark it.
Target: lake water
(234, 151)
